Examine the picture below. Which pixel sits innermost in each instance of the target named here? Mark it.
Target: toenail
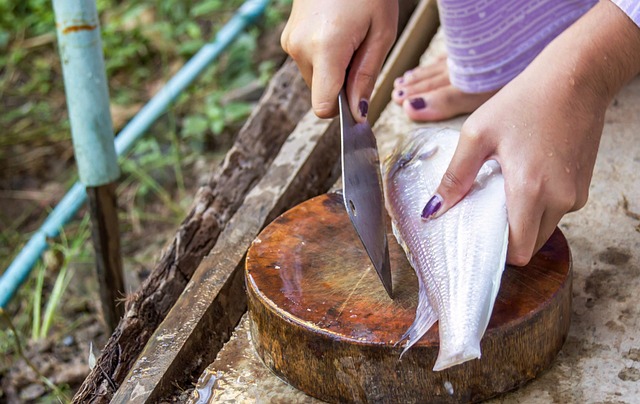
(400, 93)
(363, 106)
(418, 103)
(400, 80)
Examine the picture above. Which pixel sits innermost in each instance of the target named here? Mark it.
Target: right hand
(327, 37)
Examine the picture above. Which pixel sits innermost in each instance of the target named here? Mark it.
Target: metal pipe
(87, 94)
(21, 266)
(85, 85)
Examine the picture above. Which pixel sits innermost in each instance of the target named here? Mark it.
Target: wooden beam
(214, 300)
(106, 242)
(286, 100)
(405, 55)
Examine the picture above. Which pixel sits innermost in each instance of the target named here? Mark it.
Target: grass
(145, 42)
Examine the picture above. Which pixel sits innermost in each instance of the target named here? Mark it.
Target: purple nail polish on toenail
(400, 93)
(363, 106)
(418, 103)
(400, 80)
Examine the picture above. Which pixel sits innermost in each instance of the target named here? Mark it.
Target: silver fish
(458, 257)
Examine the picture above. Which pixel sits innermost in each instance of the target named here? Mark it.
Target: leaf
(194, 125)
(205, 7)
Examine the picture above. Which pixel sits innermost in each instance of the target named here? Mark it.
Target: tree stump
(321, 320)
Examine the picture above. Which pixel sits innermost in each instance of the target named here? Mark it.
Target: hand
(544, 127)
(327, 37)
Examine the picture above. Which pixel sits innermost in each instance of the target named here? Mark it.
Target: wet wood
(284, 103)
(310, 281)
(106, 241)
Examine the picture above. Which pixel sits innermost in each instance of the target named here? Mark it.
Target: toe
(420, 73)
(442, 103)
(415, 88)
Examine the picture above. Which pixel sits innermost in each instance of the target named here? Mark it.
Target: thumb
(469, 156)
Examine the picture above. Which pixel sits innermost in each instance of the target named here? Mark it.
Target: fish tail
(454, 355)
(426, 316)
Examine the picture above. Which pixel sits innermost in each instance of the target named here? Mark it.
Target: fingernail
(418, 103)
(363, 106)
(430, 209)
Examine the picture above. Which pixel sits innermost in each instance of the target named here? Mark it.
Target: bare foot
(426, 94)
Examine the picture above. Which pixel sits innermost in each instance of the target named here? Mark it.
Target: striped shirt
(489, 42)
(631, 8)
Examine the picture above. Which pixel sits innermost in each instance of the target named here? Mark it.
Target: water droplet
(449, 387)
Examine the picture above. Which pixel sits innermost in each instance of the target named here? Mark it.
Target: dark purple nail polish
(400, 80)
(430, 209)
(400, 93)
(363, 106)
(418, 103)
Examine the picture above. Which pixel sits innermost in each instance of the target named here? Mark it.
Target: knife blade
(362, 189)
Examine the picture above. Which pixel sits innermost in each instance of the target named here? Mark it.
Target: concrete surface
(600, 361)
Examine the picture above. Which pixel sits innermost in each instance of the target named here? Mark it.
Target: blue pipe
(21, 266)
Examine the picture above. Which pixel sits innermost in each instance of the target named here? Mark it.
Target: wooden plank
(405, 55)
(306, 162)
(106, 242)
(286, 100)
(298, 172)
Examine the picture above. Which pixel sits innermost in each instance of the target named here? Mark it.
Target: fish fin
(471, 351)
(426, 317)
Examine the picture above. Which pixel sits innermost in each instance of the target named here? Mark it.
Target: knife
(362, 189)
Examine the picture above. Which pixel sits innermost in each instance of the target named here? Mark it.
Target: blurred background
(56, 313)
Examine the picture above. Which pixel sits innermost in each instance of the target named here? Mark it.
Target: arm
(544, 127)
(327, 37)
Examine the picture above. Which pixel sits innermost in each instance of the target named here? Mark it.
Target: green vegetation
(144, 42)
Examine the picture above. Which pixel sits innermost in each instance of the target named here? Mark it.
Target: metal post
(87, 95)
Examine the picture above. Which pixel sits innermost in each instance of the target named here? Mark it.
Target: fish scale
(458, 257)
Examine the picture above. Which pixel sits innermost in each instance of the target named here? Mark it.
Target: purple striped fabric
(490, 41)
(630, 8)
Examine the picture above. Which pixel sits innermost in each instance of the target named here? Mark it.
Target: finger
(548, 225)
(327, 80)
(300, 57)
(525, 216)
(365, 67)
(469, 156)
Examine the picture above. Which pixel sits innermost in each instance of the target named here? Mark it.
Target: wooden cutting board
(321, 320)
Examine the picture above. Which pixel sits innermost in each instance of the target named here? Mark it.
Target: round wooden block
(321, 320)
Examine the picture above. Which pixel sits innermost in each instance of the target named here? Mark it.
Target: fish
(459, 256)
